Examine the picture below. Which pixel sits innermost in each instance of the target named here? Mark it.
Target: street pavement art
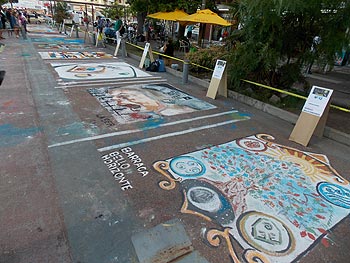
(95, 71)
(276, 202)
(59, 46)
(41, 29)
(73, 55)
(139, 102)
(57, 40)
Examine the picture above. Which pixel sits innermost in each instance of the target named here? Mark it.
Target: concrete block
(163, 243)
(193, 257)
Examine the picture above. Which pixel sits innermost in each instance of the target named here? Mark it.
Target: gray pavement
(63, 199)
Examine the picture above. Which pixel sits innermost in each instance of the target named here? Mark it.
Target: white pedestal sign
(218, 80)
(313, 116)
(148, 50)
(117, 47)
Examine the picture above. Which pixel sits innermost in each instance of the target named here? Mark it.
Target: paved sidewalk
(63, 198)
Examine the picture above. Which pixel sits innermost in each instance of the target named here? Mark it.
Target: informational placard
(317, 100)
(68, 21)
(148, 49)
(313, 117)
(218, 80)
(219, 69)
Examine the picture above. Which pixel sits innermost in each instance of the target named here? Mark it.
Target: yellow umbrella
(205, 16)
(171, 16)
(154, 15)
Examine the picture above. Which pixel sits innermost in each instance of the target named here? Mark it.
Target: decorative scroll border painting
(276, 202)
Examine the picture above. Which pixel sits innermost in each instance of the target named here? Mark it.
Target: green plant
(205, 57)
(61, 12)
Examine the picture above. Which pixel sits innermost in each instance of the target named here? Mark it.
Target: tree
(277, 36)
(3, 2)
(114, 11)
(61, 12)
(144, 7)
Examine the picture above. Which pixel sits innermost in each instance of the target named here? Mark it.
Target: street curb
(329, 133)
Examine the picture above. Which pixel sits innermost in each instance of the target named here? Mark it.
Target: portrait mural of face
(143, 102)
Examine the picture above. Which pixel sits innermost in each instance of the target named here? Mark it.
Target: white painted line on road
(121, 145)
(74, 84)
(92, 138)
(107, 83)
(69, 83)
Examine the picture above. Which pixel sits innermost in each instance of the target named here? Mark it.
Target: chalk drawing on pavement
(141, 102)
(276, 202)
(57, 40)
(12, 135)
(94, 71)
(59, 46)
(74, 55)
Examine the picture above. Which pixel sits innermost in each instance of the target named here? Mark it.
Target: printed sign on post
(313, 116)
(317, 101)
(117, 46)
(68, 21)
(218, 80)
(147, 49)
(219, 69)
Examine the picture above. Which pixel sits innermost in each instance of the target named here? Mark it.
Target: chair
(184, 45)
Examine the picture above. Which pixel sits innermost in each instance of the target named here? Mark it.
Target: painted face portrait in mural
(143, 102)
(136, 101)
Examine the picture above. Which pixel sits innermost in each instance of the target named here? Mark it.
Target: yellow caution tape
(248, 81)
(291, 94)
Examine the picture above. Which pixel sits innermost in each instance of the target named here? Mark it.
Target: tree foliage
(144, 7)
(277, 36)
(114, 11)
(61, 12)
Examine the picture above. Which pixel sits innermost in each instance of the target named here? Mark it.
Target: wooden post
(313, 117)
(218, 80)
(147, 50)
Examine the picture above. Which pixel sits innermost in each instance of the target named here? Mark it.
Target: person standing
(22, 20)
(2, 22)
(189, 31)
(14, 23)
(100, 24)
(117, 27)
(146, 29)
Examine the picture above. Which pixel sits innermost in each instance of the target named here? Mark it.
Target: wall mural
(57, 40)
(94, 71)
(275, 201)
(146, 101)
(58, 46)
(74, 55)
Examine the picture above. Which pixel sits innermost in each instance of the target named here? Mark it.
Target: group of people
(105, 26)
(13, 21)
(119, 28)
